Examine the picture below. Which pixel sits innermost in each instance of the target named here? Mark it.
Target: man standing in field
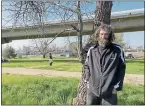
(104, 69)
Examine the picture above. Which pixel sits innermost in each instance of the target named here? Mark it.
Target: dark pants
(92, 99)
(50, 63)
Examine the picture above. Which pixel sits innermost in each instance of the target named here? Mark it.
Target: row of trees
(37, 47)
(70, 46)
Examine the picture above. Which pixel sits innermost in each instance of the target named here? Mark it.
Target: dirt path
(129, 78)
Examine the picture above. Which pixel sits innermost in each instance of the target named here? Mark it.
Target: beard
(104, 42)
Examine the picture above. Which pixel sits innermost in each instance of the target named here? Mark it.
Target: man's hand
(87, 83)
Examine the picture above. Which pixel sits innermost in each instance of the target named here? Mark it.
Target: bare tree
(102, 15)
(26, 50)
(26, 13)
(80, 29)
(41, 45)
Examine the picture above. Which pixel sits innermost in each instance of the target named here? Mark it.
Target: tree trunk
(80, 27)
(102, 15)
(44, 55)
(103, 12)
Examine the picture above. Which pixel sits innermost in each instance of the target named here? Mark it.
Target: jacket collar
(97, 45)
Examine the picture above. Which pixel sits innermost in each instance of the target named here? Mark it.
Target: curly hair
(107, 28)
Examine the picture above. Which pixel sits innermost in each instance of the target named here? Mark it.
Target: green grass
(134, 66)
(60, 64)
(38, 90)
(132, 95)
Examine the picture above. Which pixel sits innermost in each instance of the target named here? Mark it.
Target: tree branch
(63, 7)
(59, 34)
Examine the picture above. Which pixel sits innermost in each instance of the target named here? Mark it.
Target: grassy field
(19, 89)
(60, 64)
(134, 66)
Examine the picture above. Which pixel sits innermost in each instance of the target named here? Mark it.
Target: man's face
(103, 38)
(103, 34)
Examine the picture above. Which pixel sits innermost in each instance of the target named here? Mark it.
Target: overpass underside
(128, 23)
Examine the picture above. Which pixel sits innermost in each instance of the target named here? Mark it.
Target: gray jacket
(105, 70)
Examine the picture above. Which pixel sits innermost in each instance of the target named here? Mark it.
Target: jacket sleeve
(86, 67)
(120, 72)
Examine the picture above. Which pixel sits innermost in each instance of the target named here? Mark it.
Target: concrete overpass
(128, 22)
